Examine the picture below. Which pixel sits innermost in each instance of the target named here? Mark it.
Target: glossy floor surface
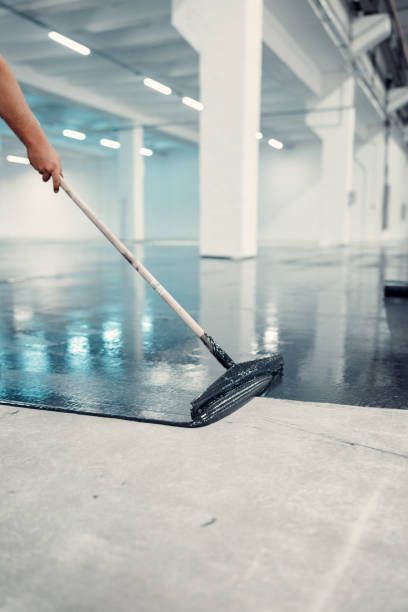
(80, 331)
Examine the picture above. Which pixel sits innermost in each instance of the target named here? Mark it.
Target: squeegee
(239, 383)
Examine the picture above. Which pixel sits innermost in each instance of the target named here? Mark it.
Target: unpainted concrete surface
(283, 506)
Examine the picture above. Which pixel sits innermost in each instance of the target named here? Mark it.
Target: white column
(333, 120)
(228, 36)
(131, 184)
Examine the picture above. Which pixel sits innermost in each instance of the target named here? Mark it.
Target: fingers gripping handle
(139, 267)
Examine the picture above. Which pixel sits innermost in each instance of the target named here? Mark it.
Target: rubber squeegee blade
(237, 386)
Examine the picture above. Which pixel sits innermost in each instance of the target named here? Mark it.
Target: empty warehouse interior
(249, 159)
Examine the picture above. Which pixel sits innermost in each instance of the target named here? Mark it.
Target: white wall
(289, 193)
(289, 196)
(368, 185)
(366, 213)
(397, 227)
(172, 194)
(30, 209)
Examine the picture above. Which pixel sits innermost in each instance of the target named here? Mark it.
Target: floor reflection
(79, 329)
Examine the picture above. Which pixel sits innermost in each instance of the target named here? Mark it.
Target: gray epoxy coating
(79, 330)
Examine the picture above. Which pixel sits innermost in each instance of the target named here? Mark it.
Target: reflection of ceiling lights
(111, 144)
(35, 358)
(68, 42)
(192, 103)
(259, 135)
(146, 152)
(157, 86)
(275, 144)
(16, 159)
(21, 315)
(146, 323)
(112, 333)
(74, 134)
(78, 345)
(271, 338)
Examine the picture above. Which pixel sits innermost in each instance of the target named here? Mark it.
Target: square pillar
(228, 37)
(333, 120)
(131, 184)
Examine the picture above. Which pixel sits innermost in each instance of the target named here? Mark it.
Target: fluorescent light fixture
(74, 134)
(68, 42)
(157, 86)
(198, 106)
(146, 152)
(111, 144)
(17, 159)
(259, 135)
(276, 144)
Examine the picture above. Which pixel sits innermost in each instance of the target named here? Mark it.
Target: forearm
(15, 110)
(17, 114)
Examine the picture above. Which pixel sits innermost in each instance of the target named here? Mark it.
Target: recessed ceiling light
(74, 134)
(111, 144)
(259, 135)
(146, 152)
(157, 86)
(276, 144)
(17, 159)
(68, 42)
(192, 103)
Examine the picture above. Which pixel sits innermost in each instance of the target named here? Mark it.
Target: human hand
(44, 158)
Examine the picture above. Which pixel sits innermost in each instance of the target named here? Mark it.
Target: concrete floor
(282, 506)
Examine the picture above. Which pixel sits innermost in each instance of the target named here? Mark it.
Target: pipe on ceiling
(341, 39)
(393, 10)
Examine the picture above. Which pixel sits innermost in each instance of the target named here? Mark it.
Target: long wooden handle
(124, 251)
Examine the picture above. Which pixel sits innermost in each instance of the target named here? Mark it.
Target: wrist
(34, 135)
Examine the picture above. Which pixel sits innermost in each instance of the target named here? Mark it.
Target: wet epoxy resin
(80, 331)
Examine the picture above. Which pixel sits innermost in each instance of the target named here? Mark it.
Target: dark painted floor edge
(228, 257)
(185, 424)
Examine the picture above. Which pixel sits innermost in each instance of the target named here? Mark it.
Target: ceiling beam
(50, 5)
(108, 17)
(66, 87)
(278, 39)
(397, 98)
(160, 32)
(59, 86)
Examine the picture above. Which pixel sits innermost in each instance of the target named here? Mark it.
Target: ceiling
(300, 20)
(402, 6)
(130, 39)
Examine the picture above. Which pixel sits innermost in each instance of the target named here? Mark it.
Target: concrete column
(131, 184)
(228, 36)
(333, 120)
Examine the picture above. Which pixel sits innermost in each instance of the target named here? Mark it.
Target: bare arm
(17, 114)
